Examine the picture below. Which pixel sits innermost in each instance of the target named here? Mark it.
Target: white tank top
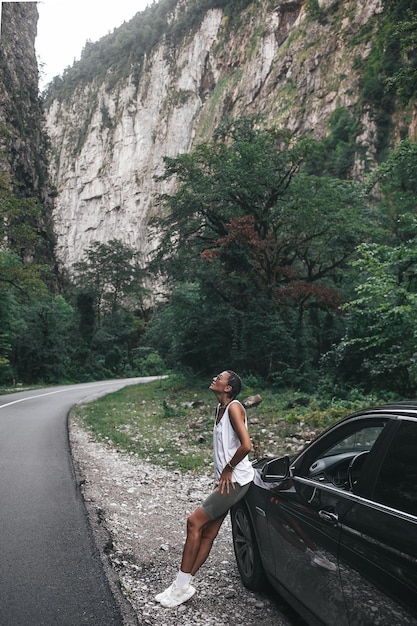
(225, 444)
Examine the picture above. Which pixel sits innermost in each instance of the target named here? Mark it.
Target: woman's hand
(225, 481)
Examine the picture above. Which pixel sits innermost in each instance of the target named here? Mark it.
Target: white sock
(183, 579)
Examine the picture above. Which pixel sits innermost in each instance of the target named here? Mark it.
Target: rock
(252, 401)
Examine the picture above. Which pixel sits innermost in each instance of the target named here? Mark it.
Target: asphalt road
(50, 569)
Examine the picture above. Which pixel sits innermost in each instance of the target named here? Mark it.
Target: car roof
(404, 408)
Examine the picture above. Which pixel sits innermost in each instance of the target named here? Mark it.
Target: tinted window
(348, 442)
(359, 441)
(397, 482)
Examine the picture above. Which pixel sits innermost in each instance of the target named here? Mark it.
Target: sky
(64, 26)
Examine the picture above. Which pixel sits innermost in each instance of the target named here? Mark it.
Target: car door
(305, 519)
(378, 550)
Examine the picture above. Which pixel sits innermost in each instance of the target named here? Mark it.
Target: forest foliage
(272, 260)
(267, 262)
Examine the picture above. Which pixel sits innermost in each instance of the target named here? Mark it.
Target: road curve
(50, 569)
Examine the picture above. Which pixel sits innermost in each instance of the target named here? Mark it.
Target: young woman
(234, 473)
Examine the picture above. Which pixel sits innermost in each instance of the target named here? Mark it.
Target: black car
(334, 529)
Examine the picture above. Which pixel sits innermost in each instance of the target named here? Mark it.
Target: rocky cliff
(23, 139)
(20, 105)
(293, 62)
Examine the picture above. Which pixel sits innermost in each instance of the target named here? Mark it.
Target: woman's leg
(201, 532)
(208, 535)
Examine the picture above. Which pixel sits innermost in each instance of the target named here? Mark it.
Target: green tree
(20, 284)
(45, 348)
(395, 185)
(380, 344)
(11, 325)
(115, 342)
(193, 328)
(22, 278)
(111, 300)
(111, 272)
(249, 226)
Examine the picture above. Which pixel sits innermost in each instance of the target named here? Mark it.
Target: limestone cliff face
(109, 145)
(107, 188)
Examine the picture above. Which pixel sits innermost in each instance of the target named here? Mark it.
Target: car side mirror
(276, 470)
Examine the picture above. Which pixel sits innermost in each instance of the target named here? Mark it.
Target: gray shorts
(217, 505)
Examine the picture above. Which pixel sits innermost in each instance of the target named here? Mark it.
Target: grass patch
(157, 421)
(170, 422)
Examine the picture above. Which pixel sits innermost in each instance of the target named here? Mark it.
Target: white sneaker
(176, 595)
(164, 593)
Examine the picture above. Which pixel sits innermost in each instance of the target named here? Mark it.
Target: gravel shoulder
(138, 512)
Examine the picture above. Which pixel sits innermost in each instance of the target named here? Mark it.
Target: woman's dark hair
(235, 382)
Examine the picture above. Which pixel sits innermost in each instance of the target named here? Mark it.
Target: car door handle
(327, 516)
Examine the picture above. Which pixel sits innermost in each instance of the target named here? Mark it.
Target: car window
(396, 485)
(340, 463)
(360, 441)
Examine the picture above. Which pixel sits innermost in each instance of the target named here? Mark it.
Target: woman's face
(220, 382)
